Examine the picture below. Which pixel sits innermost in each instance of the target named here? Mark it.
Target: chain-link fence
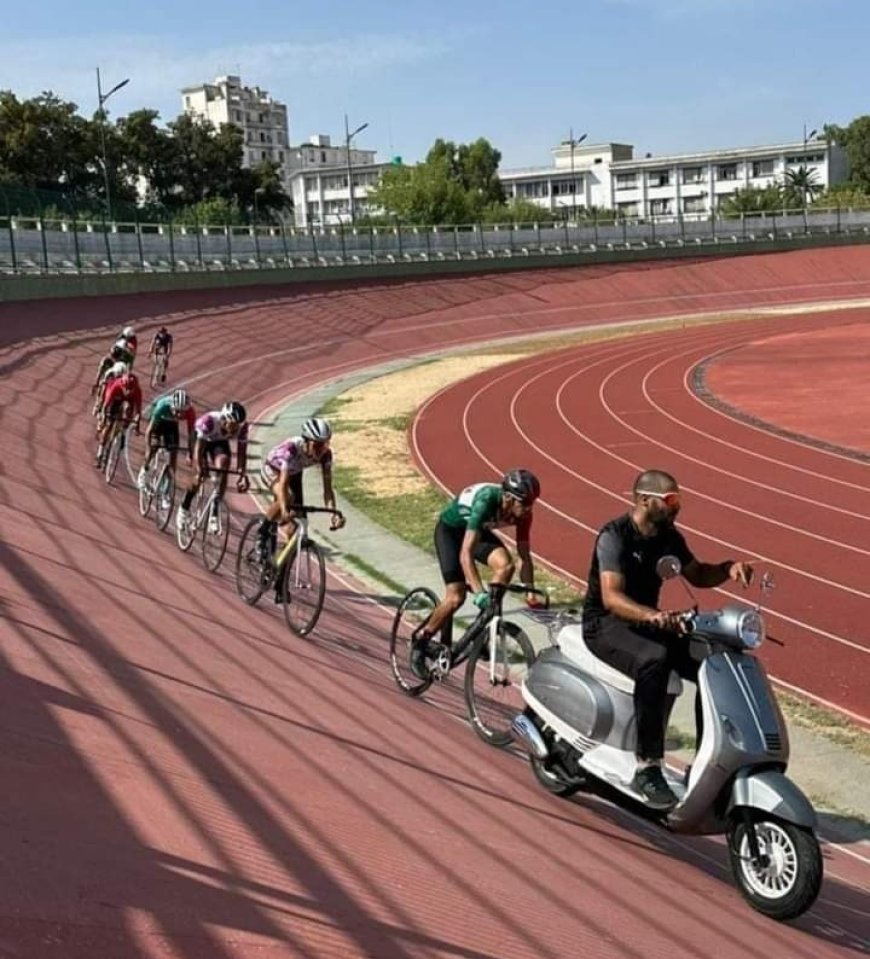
(49, 240)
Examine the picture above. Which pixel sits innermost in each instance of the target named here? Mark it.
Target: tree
(799, 186)
(753, 200)
(855, 140)
(148, 151)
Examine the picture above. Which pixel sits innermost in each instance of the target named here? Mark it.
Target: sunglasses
(670, 500)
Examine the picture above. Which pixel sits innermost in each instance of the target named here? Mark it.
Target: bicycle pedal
(439, 663)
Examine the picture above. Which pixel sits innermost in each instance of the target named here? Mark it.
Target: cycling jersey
(208, 428)
(291, 455)
(478, 508)
(116, 394)
(161, 342)
(161, 410)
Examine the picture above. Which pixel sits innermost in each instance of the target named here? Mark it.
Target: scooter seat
(573, 646)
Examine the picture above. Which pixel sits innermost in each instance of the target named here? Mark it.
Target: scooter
(579, 723)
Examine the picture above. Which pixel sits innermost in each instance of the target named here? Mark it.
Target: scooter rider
(623, 626)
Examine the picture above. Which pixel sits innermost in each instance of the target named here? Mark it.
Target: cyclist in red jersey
(125, 390)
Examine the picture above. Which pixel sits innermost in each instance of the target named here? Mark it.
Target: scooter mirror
(668, 567)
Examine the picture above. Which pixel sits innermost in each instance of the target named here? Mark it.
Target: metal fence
(37, 245)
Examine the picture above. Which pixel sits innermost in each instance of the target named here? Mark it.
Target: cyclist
(161, 345)
(212, 447)
(117, 369)
(464, 536)
(162, 430)
(128, 334)
(282, 474)
(115, 355)
(122, 391)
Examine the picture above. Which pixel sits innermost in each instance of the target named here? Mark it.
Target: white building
(262, 120)
(607, 176)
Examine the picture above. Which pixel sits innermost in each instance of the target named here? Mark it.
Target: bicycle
(209, 513)
(299, 562)
(115, 444)
(497, 654)
(158, 368)
(160, 486)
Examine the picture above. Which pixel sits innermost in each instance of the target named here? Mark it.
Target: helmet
(316, 429)
(163, 330)
(121, 344)
(118, 369)
(127, 332)
(234, 412)
(179, 401)
(522, 485)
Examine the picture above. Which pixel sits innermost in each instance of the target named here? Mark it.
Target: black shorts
(448, 545)
(214, 448)
(116, 410)
(268, 474)
(165, 433)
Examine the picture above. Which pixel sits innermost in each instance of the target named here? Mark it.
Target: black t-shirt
(621, 548)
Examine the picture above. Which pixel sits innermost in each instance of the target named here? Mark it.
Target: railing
(33, 245)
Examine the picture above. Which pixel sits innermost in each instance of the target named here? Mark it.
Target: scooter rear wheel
(788, 882)
(551, 780)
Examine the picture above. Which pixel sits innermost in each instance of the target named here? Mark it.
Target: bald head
(654, 481)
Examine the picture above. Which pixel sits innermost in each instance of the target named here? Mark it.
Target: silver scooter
(579, 722)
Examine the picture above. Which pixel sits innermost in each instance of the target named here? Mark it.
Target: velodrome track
(591, 417)
(183, 779)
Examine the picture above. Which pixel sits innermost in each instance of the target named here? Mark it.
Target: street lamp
(259, 191)
(101, 98)
(347, 138)
(572, 142)
(804, 165)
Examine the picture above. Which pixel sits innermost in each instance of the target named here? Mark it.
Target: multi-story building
(609, 177)
(262, 120)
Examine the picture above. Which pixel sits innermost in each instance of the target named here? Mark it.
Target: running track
(589, 418)
(182, 779)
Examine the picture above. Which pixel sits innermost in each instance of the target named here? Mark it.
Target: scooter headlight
(750, 629)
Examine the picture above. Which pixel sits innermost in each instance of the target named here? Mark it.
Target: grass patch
(372, 572)
(835, 728)
(334, 406)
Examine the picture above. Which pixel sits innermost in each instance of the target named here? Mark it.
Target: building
(263, 121)
(608, 177)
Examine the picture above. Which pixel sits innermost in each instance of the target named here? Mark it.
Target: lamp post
(573, 143)
(347, 138)
(804, 165)
(259, 191)
(101, 99)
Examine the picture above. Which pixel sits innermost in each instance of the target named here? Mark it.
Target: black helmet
(522, 485)
(234, 412)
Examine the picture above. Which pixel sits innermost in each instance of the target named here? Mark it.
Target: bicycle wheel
(215, 534)
(493, 682)
(303, 587)
(113, 454)
(146, 491)
(185, 537)
(254, 573)
(414, 610)
(164, 496)
(131, 457)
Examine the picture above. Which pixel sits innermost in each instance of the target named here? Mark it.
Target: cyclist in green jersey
(464, 536)
(164, 416)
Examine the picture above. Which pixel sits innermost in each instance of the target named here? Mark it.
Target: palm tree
(800, 184)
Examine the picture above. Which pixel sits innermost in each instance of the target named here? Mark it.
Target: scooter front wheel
(786, 878)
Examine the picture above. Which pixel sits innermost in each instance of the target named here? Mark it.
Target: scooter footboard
(773, 792)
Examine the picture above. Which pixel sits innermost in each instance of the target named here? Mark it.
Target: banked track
(184, 779)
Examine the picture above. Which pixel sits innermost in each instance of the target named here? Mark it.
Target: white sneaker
(140, 479)
(182, 519)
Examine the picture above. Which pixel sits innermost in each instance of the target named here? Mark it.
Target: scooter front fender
(772, 791)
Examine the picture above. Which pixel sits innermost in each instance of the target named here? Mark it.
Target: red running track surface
(182, 778)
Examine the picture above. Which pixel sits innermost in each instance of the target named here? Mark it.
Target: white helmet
(118, 369)
(316, 429)
(127, 332)
(121, 344)
(179, 401)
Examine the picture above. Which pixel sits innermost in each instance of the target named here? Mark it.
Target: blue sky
(664, 75)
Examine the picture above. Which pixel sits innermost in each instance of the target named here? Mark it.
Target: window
(264, 154)
(694, 204)
(726, 171)
(762, 168)
(693, 174)
(659, 178)
(323, 156)
(627, 209)
(626, 181)
(806, 158)
(660, 207)
(563, 188)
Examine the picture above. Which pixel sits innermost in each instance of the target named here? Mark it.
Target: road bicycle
(295, 568)
(158, 368)
(116, 443)
(159, 488)
(210, 515)
(497, 654)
